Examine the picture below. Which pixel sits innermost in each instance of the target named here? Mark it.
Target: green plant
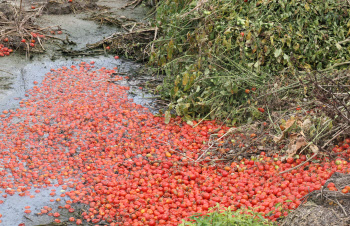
(227, 217)
(212, 51)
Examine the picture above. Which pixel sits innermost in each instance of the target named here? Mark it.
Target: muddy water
(17, 75)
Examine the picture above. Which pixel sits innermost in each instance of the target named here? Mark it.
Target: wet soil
(6, 11)
(61, 8)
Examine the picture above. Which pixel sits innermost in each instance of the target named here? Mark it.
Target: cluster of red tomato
(342, 147)
(37, 35)
(34, 37)
(4, 51)
(130, 167)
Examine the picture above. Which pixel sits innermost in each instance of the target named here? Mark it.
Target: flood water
(18, 74)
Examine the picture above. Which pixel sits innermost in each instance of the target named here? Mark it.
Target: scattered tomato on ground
(4, 51)
(77, 130)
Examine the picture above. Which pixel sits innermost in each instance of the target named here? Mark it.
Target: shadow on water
(5, 83)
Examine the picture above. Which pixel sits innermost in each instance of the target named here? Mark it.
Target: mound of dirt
(324, 207)
(61, 8)
(6, 12)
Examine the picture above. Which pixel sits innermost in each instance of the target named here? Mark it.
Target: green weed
(227, 217)
(213, 51)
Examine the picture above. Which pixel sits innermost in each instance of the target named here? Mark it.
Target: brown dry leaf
(314, 148)
(300, 142)
(292, 137)
(278, 138)
(289, 123)
(261, 148)
(306, 125)
(299, 123)
(295, 144)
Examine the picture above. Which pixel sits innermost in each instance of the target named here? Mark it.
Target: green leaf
(206, 12)
(271, 39)
(189, 122)
(278, 205)
(206, 72)
(185, 79)
(307, 6)
(235, 88)
(338, 46)
(177, 109)
(223, 92)
(278, 52)
(167, 117)
(296, 46)
(257, 64)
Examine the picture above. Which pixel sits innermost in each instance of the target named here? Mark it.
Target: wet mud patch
(63, 8)
(5, 83)
(115, 7)
(145, 83)
(76, 29)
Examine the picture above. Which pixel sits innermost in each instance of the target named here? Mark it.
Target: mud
(62, 8)
(78, 30)
(6, 11)
(114, 6)
(57, 8)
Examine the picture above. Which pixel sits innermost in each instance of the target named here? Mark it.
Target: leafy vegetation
(216, 53)
(227, 217)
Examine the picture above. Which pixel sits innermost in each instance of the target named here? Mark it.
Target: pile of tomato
(79, 131)
(4, 51)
